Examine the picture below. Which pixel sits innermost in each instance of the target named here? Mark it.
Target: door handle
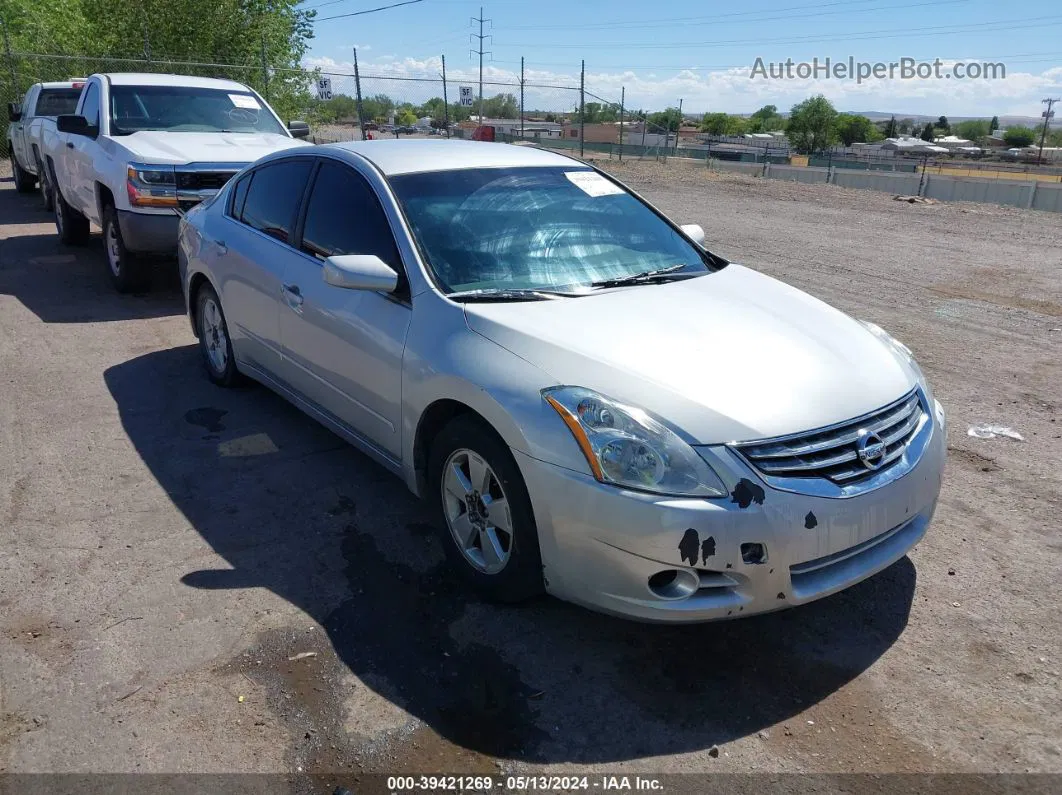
(221, 247)
(293, 296)
(69, 145)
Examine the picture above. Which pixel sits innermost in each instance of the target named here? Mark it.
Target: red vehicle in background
(483, 133)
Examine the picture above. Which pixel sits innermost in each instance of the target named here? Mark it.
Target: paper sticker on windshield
(245, 101)
(593, 184)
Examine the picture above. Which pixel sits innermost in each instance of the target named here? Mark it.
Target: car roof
(151, 79)
(406, 157)
(62, 83)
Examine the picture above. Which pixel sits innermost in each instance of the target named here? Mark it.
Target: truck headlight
(627, 447)
(151, 186)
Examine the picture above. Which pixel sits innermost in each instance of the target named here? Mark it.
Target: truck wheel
(72, 226)
(42, 186)
(24, 181)
(129, 273)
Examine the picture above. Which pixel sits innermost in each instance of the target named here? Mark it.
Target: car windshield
(557, 229)
(57, 101)
(186, 109)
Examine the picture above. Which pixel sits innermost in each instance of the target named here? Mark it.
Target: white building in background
(909, 145)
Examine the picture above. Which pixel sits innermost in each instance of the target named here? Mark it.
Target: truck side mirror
(299, 129)
(75, 125)
(14, 111)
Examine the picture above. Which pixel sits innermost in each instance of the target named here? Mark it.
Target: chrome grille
(833, 452)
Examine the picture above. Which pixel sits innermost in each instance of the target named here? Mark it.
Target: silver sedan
(593, 403)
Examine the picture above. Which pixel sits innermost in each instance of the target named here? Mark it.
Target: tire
(25, 182)
(480, 455)
(43, 187)
(129, 273)
(215, 345)
(72, 226)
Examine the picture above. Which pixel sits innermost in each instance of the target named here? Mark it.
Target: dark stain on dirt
(973, 460)
(344, 506)
(206, 417)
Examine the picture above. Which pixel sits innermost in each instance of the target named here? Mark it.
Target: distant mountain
(1004, 121)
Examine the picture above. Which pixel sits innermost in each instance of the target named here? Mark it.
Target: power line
(868, 35)
(366, 11)
(721, 19)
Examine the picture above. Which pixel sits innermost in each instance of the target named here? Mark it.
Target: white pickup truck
(42, 103)
(140, 149)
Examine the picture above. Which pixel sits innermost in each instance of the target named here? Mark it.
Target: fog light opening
(753, 554)
(673, 583)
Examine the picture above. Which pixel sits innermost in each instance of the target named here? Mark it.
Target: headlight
(151, 186)
(626, 447)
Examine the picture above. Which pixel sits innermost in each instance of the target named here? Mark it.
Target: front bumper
(602, 545)
(149, 234)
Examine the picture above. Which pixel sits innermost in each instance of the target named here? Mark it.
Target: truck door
(80, 188)
(18, 132)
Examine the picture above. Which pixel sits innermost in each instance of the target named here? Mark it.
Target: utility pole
(582, 109)
(480, 52)
(446, 101)
(1047, 120)
(679, 127)
(357, 92)
(623, 100)
(521, 97)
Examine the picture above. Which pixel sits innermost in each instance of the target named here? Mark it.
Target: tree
(378, 107)
(890, 128)
(943, 126)
(811, 125)
(928, 132)
(714, 123)
(500, 106)
(1019, 136)
(406, 118)
(766, 119)
(1054, 138)
(972, 130)
(906, 126)
(665, 120)
(852, 129)
(993, 125)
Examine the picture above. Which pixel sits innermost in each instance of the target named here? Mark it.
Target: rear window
(57, 101)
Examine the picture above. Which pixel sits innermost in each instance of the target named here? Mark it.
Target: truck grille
(835, 452)
(203, 180)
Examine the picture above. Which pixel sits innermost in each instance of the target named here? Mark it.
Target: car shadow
(71, 284)
(293, 509)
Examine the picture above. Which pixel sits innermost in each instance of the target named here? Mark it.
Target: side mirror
(14, 111)
(694, 233)
(360, 272)
(299, 129)
(75, 125)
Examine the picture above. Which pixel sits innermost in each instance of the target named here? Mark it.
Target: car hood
(159, 146)
(731, 356)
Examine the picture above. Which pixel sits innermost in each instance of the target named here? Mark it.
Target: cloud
(731, 90)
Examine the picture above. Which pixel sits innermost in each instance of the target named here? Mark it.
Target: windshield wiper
(507, 294)
(646, 277)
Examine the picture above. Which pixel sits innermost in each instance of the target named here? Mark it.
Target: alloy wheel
(477, 511)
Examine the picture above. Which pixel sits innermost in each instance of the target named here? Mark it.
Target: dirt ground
(168, 547)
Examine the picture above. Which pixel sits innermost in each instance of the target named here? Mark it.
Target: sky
(664, 51)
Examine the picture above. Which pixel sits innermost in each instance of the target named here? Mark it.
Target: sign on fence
(324, 88)
(466, 96)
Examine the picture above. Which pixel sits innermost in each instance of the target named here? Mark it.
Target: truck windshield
(57, 101)
(186, 109)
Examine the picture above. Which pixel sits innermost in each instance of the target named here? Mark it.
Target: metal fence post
(623, 100)
(521, 97)
(357, 91)
(582, 109)
(265, 70)
(446, 101)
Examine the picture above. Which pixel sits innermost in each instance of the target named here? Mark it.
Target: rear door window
(57, 101)
(273, 197)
